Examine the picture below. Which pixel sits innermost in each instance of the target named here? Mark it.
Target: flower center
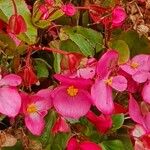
(72, 91)
(134, 65)
(32, 108)
(109, 81)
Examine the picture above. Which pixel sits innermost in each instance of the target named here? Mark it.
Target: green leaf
(136, 44)
(112, 145)
(57, 60)
(18, 146)
(41, 67)
(123, 50)
(7, 10)
(118, 121)
(88, 40)
(69, 46)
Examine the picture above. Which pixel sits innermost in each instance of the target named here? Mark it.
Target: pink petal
(102, 97)
(35, 123)
(88, 145)
(10, 101)
(72, 144)
(128, 69)
(146, 93)
(86, 73)
(139, 145)
(119, 83)
(11, 80)
(138, 131)
(71, 106)
(134, 110)
(102, 123)
(78, 82)
(60, 126)
(141, 76)
(107, 62)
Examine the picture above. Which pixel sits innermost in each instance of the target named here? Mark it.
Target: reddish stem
(50, 49)
(15, 7)
(83, 8)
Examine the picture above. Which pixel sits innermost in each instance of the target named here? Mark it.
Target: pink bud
(44, 12)
(118, 16)
(49, 2)
(69, 9)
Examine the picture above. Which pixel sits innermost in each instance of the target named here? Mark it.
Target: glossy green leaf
(112, 145)
(7, 9)
(118, 121)
(123, 50)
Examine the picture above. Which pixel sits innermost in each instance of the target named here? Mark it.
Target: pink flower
(73, 144)
(138, 67)
(102, 123)
(118, 16)
(60, 126)
(35, 107)
(69, 9)
(139, 115)
(10, 100)
(71, 99)
(44, 12)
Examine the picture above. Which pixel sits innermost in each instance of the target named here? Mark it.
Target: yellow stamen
(72, 91)
(134, 65)
(109, 81)
(32, 108)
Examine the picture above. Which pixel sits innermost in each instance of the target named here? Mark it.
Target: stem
(15, 7)
(50, 49)
(83, 8)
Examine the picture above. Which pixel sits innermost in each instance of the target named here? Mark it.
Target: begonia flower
(34, 108)
(69, 9)
(71, 99)
(10, 100)
(138, 67)
(118, 16)
(146, 92)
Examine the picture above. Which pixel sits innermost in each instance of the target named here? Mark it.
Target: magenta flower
(139, 115)
(71, 99)
(101, 90)
(138, 67)
(10, 100)
(35, 107)
(118, 16)
(69, 9)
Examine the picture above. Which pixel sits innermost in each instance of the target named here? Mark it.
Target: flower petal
(10, 101)
(71, 106)
(134, 110)
(146, 93)
(72, 144)
(35, 123)
(107, 62)
(102, 97)
(88, 145)
(78, 82)
(141, 76)
(119, 83)
(11, 80)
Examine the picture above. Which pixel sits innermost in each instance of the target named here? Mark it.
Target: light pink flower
(118, 16)
(138, 67)
(10, 100)
(35, 107)
(71, 99)
(60, 126)
(102, 123)
(69, 9)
